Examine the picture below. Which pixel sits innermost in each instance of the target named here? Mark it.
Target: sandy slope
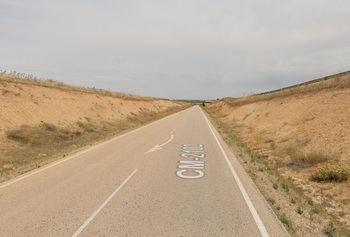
(313, 122)
(25, 104)
(32, 105)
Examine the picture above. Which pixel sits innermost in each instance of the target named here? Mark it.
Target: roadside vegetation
(32, 145)
(338, 81)
(22, 78)
(268, 162)
(298, 212)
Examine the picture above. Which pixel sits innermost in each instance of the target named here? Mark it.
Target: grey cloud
(214, 48)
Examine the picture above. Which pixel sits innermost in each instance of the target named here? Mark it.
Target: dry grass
(293, 154)
(331, 172)
(294, 208)
(34, 146)
(339, 81)
(29, 146)
(21, 78)
(308, 159)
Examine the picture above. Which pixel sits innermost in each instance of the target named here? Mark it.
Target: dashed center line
(87, 222)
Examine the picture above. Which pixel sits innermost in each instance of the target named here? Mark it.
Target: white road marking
(87, 222)
(172, 131)
(54, 164)
(153, 149)
(249, 203)
(171, 138)
(159, 147)
(190, 167)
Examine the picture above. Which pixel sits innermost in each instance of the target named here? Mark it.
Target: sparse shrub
(251, 172)
(49, 126)
(42, 135)
(292, 200)
(285, 186)
(275, 186)
(329, 230)
(303, 142)
(269, 141)
(310, 202)
(20, 134)
(315, 210)
(273, 146)
(313, 158)
(300, 211)
(290, 151)
(88, 126)
(254, 157)
(271, 200)
(284, 219)
(331, 172)
(303, 159)
(5, 91)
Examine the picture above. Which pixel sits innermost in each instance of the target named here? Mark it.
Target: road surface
(174, 177)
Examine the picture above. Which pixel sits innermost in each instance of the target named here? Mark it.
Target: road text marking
(194, 168)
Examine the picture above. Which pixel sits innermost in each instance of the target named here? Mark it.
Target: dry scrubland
(43, 120)
(296, 145)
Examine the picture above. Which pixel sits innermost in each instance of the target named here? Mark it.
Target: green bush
(331, 173)
(329, 230)
(284, 219)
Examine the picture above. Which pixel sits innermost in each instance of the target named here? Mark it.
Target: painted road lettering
(193, 167)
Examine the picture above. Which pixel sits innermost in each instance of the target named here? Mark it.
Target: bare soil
(44, 121)
(29, 104)
(281, 129)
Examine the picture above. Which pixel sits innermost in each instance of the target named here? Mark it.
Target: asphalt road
(174, 177)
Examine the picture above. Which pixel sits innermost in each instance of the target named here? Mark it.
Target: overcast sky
(192, 49)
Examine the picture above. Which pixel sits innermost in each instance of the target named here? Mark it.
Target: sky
(183, 49)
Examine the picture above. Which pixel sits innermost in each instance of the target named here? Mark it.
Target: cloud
(214, 48)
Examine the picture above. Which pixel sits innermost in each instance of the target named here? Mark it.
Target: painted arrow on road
(159, 147)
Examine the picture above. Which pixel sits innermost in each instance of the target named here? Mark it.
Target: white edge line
(77, 154)
(87, 222)
(61, 161)
(248, 201)
(172, 131)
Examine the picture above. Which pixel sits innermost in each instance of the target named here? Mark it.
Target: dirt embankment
(41, 123)
(297, 135)
(31, 105)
